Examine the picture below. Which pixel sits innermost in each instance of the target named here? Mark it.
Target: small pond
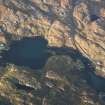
(29, 52)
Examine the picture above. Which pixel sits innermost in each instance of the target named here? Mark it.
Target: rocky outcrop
(17, 85)
(90, 36)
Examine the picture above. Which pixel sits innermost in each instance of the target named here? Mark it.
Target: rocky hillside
(77, 24)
